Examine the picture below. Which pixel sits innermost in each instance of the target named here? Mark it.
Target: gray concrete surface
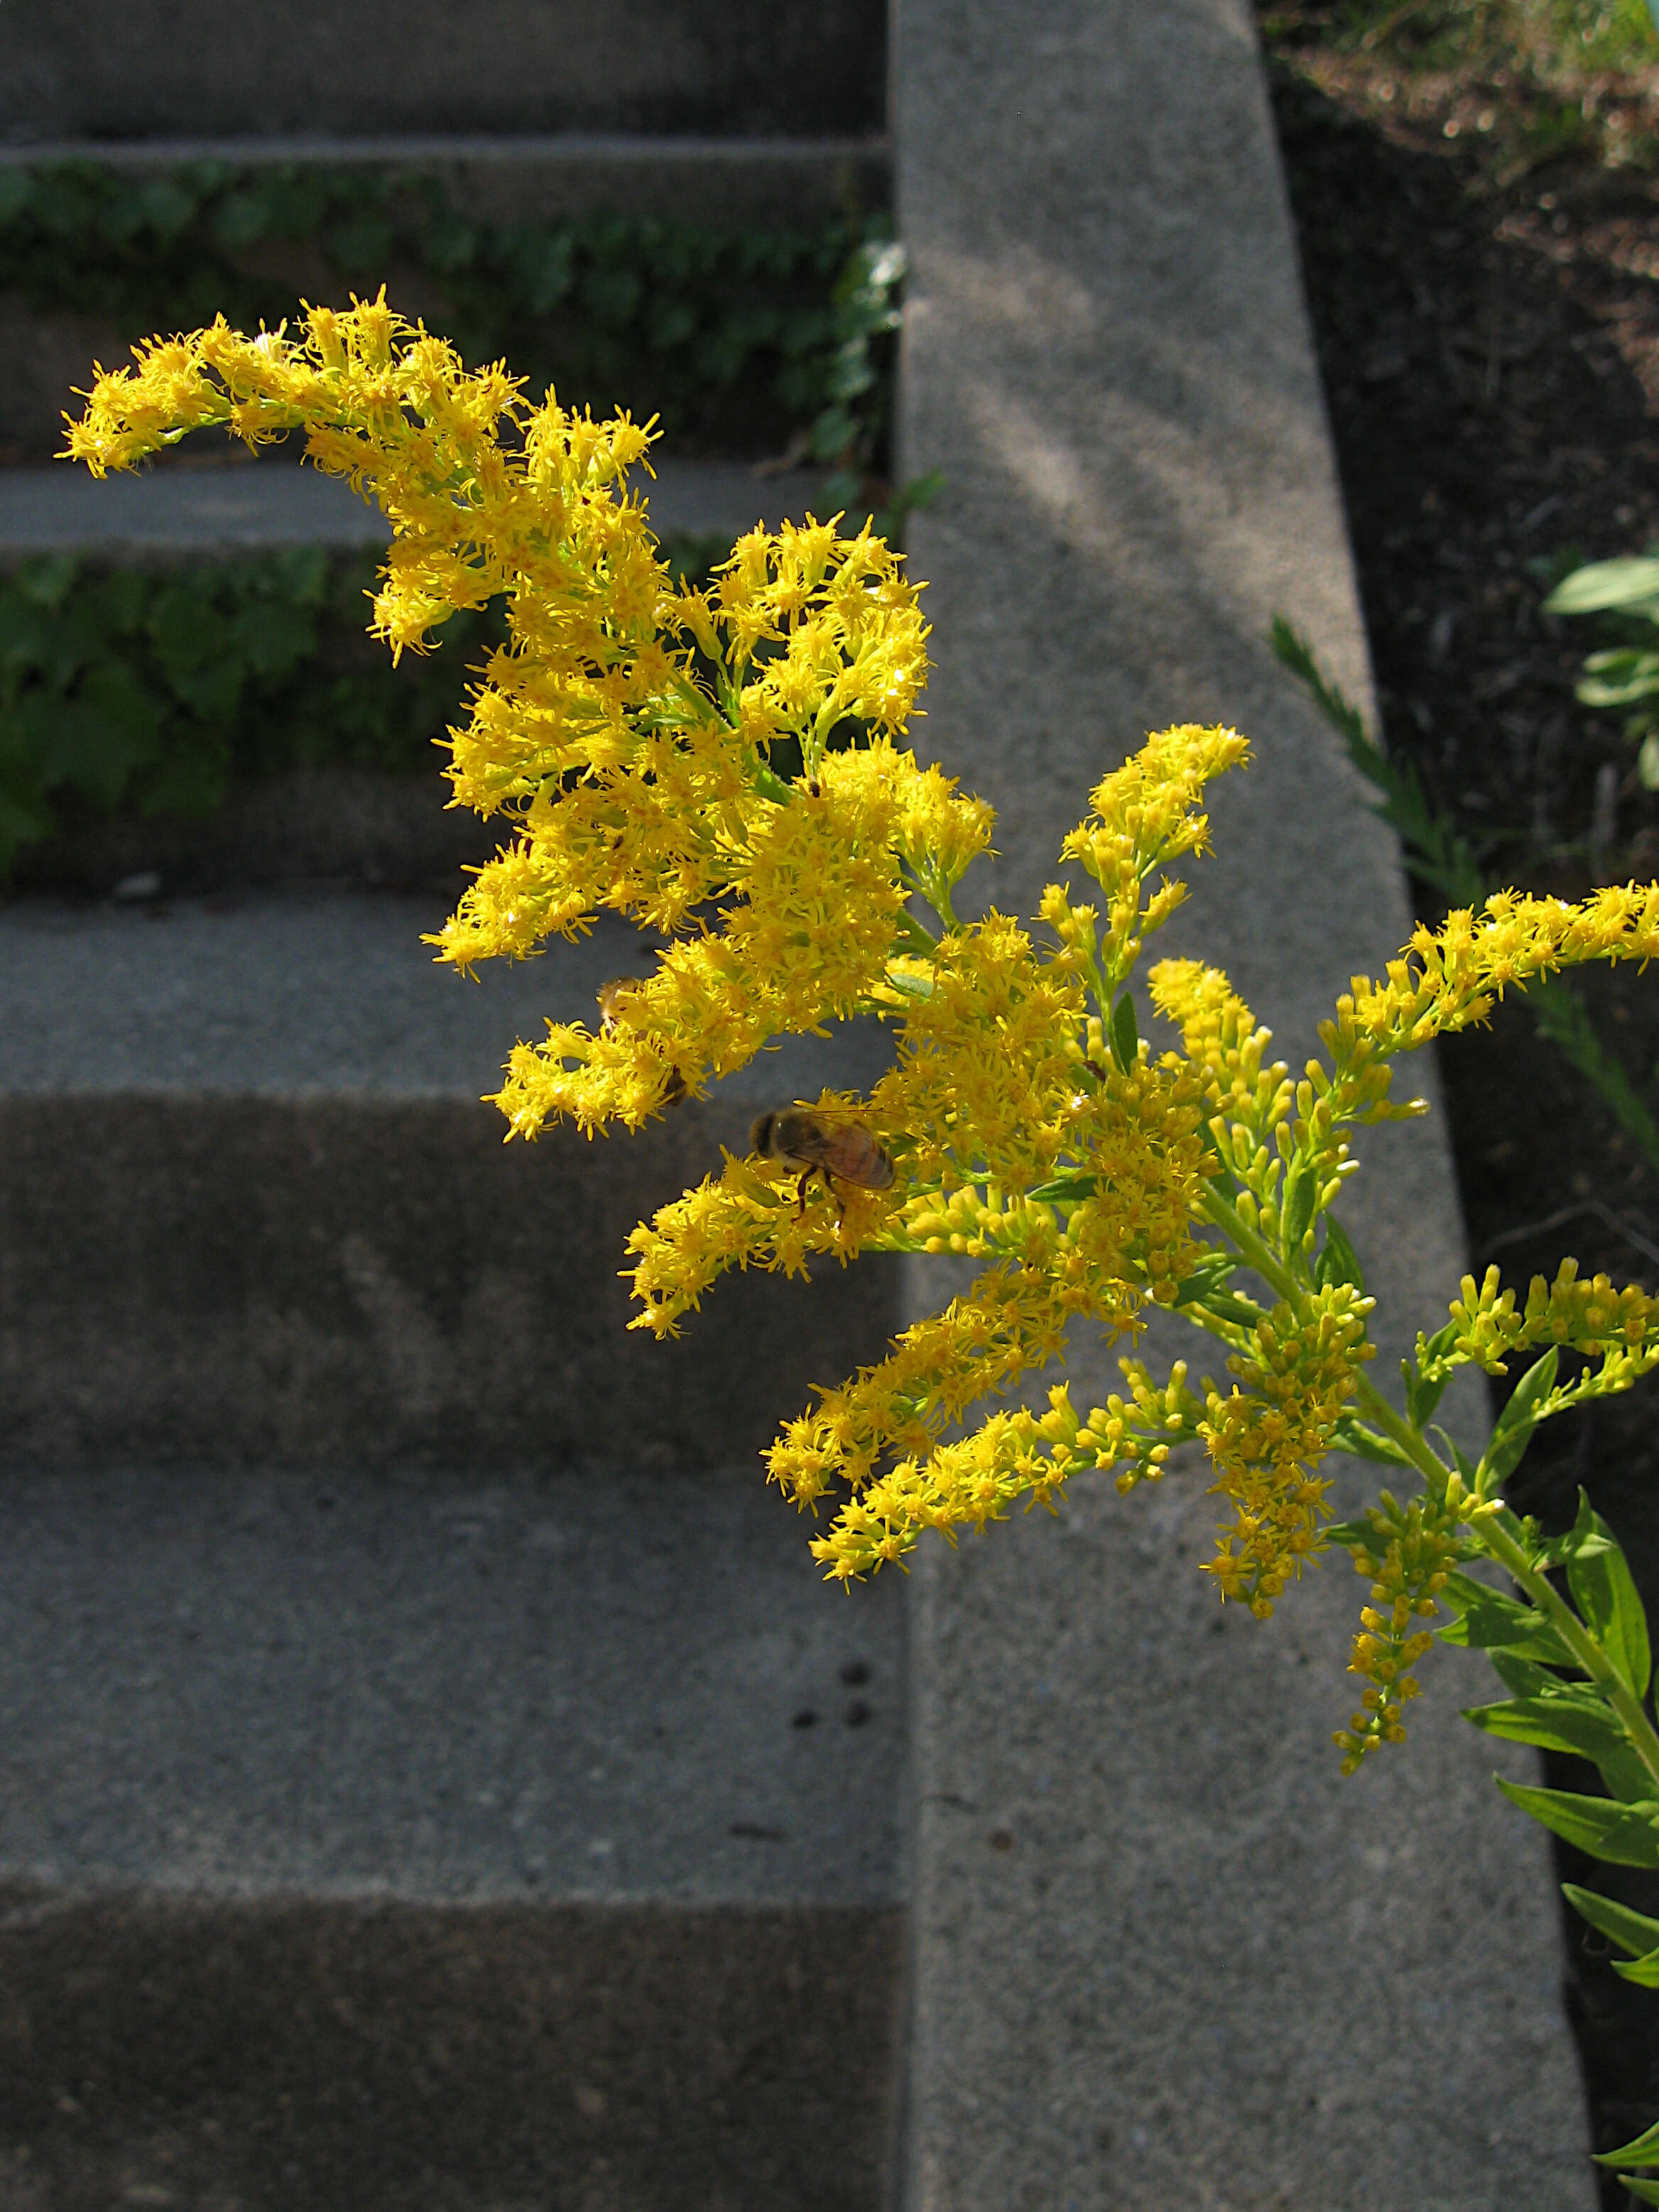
(252, 1208)
(302, 68)
(314, 994)
(181, 511)
(1163, 1956)
(609, 1686)
(285, 2055)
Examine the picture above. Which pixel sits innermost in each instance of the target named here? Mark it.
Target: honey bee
(612, 997)
(845, 1149)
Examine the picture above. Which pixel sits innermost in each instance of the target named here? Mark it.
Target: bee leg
(801, 1192)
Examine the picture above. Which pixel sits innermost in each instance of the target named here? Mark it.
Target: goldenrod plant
(726, 767)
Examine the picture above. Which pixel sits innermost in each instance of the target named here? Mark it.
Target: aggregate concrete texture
(193, 512)
(1163, 1956)
(291, 2055)
(306, 67)
(612, 1686)
(252, 1209)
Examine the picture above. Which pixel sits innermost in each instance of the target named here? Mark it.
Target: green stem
(1496, 1540)
(1489, 1532)
(1410, 1439)
(1253, 1247)
(913, 936)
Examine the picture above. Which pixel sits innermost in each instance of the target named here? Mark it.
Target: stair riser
(298, 2057)
(748, 68)
(379, 1284)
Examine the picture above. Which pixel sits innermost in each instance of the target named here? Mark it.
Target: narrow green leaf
(1643, 2150)
(1338, 1261)
(1643, 1971)
(1512, 1432)
(1624, 583)
(1571, 1719)
(1604, 1591)
(1631, 1931)
(1353, 1437)
(1125, 1034)
(1301, 1194)
(1068, 1189)
(1628, 1835)
(1644, 2192)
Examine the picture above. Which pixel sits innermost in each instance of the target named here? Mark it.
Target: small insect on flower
(612, 997)
(823, 1148)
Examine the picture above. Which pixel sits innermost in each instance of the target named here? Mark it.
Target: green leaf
(1125, 1035)
(1644, 2192)
(1067, 1189)
(1489, 1621)
(1512, 1432)
(1604, 1591)
(95, 742)
(1647, 762)
(1643, 2150)
(1353, 1437)
(1338, 1261)
(1626, 1834)
(1301, 1195)
(1209, 1275)
(1629, 582)
(1570, 1718)
(1424, 1391)
(1643, 1971)
(1632, 1931)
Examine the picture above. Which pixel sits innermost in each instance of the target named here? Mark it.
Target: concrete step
(252, 1210)
(746, 69)
(176, 511)
(421, 1842)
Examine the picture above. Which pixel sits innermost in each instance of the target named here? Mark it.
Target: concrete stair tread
(183, 511)
(580, 1686)
(295, 994)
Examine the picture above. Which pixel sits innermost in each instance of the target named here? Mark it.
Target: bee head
(760, 1137)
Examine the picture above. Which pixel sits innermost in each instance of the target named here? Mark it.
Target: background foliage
(745, 335)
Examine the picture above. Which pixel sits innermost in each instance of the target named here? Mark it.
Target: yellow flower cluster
(725, 767)
(1266, 1439)
(1144, 815)
(1592, 1317)
(1449, 977)
(975, 1479)
(1412, 1552)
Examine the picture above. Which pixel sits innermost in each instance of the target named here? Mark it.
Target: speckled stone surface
(1165, 1960)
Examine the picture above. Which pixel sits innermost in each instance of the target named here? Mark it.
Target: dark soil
(1489, 336)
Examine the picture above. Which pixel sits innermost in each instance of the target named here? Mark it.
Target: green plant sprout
(724, 766)
(1626, 674)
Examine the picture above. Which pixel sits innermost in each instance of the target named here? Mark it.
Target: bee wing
(852, 1153)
